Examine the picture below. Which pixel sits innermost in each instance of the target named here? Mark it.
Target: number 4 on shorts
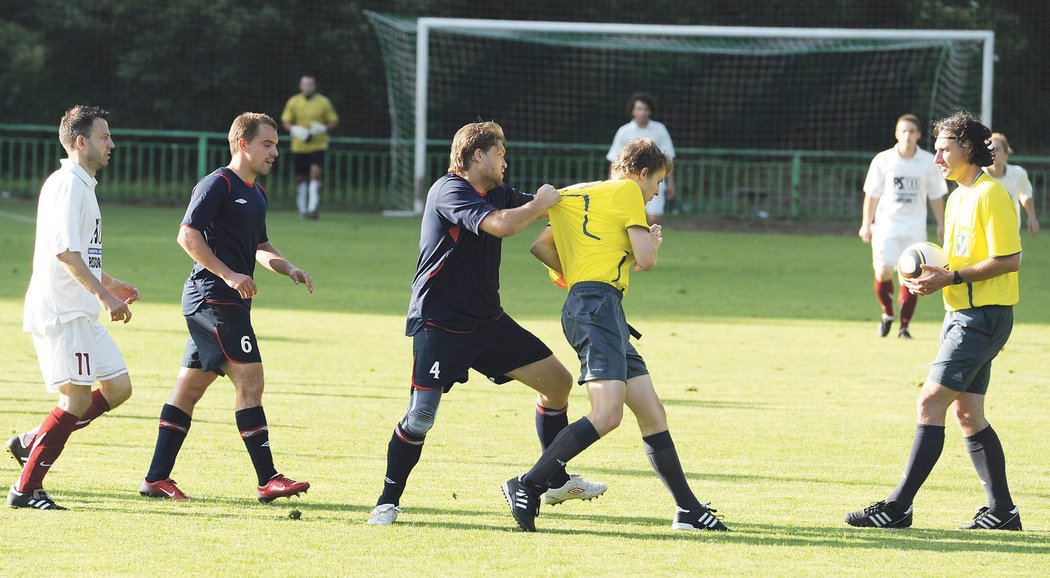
(435, 370)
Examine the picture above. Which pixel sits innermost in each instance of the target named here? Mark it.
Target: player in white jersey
(900, 182)
(1015, 179)
(641, 107)
(67, 291)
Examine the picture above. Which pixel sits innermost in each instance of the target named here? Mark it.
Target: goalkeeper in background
(308, 116)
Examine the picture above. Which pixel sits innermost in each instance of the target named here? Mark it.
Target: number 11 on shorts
(83, 363)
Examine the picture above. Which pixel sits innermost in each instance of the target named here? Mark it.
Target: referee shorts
(595, 325)
(970, 340)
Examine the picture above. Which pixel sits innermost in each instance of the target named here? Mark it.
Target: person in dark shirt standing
(455, 318)
(224, 231)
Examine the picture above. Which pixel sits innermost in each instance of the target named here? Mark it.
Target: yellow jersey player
(979, 290)
(308, 116)
(598, 232)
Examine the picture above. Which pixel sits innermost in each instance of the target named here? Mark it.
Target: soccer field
(786, 409)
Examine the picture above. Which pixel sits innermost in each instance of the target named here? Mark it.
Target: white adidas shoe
(383, 515)
(576, 488)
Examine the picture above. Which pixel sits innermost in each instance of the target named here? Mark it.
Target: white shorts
(886, 251)
(79, 352)
(655, 206)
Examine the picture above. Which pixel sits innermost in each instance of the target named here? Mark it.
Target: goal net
(557, 86)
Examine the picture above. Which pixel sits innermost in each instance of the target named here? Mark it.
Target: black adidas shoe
(885, 325)
(701, 519)
(880, 515)
(989, 519)
(37, 499)
(18, 451)
(904, 333)
(524, 503)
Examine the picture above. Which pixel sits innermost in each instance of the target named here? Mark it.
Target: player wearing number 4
(455, 318)
(66, 293)
(596, 232)
(900, 182)
(979, 289)
(224, 231)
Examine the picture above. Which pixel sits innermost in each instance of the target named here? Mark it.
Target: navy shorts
(970, 340)
(594, 323)
(220, 333)
(304, 160)
(442, 357)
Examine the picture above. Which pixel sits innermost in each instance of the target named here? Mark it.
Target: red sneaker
(163, 489)
(281, 487)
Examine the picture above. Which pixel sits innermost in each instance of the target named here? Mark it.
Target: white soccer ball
(922, 253)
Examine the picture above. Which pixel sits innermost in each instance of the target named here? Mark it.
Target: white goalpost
(787, 80)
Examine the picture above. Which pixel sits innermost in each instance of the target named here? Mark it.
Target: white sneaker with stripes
(576, 488)
(383, 515)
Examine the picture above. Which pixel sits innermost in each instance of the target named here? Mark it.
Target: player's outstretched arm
(74, 263)
(507, 222)
(1029, 209)
(868, 213)
(645, 244)
(938, 215)
(544, 249)
(192, 241)
(123, 290)
(268, 256)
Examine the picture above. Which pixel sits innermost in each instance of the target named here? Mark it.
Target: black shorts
(442, 357)
(220, 333)
(304, 160)
(970, 340)
(594, 323)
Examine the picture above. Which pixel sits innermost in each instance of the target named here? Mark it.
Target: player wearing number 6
(597, 231)
(224, 231)
(66, 293)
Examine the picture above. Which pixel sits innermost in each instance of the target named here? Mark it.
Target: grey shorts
(970, 340)
(593, 322)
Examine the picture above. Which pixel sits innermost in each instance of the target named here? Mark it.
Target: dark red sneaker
(281, 487)
(163, 489)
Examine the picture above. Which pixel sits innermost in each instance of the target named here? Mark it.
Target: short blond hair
(246, 126)
(641, 153)
(474, 136)
(998, 136)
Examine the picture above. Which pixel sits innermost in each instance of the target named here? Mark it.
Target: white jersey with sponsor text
(68, 219)
(903, 186)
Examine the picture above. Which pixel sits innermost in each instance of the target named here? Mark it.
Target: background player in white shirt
(641, 107)
(1014, 178)
(900, 182)
(66, 293)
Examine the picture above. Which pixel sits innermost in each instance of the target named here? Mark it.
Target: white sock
(300, 197)
(315, 196)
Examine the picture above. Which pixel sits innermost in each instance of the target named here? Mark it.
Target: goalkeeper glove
(317, 128)
(300, 133)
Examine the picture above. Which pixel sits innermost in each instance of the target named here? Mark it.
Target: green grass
(786, 410)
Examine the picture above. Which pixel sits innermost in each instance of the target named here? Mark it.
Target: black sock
(659, 448)
(172, 430)
(402, 454)
(925, 450)
(568, 444)
(256, 435)
(988, 459)
(549, 423)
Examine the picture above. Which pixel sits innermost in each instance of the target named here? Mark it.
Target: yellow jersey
(304, 111)
(980, 222)
(590, 231)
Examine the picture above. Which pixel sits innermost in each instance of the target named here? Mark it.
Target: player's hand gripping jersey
(590, 231)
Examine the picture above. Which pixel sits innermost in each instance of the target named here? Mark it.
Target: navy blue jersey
(231, 214)
(457, 277)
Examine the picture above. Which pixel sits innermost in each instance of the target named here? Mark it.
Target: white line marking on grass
(17, 217)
